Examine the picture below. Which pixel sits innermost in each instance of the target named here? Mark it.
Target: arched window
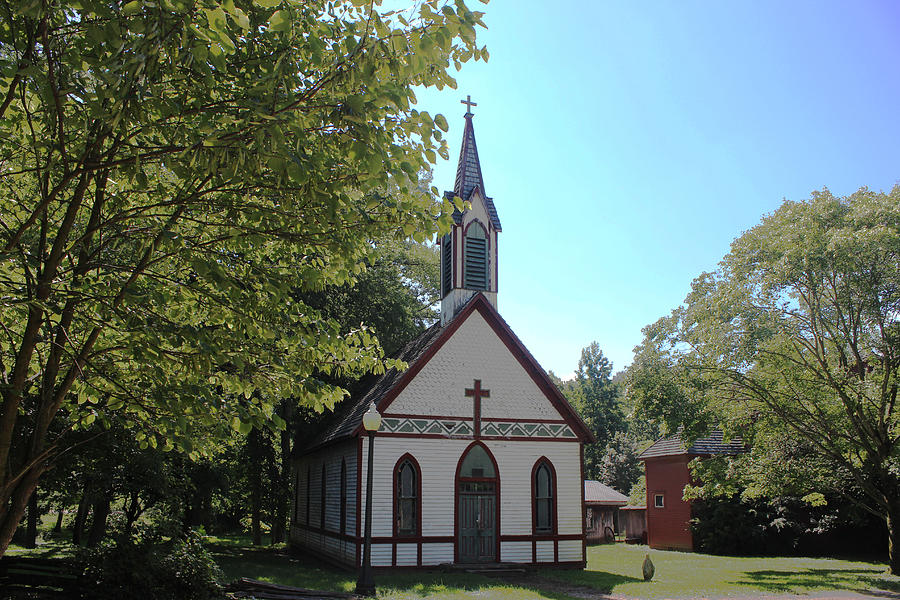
(343, 496)
(476, 274)
(543, 493)
(407, 497)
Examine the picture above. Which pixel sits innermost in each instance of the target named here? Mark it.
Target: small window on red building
(658, 501)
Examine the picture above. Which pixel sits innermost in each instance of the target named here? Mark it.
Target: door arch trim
(456, 481)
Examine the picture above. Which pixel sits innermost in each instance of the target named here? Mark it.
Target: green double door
(477, 514)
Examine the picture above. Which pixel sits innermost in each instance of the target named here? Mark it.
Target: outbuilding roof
(418, 352)
(599, 494)
(712, 444)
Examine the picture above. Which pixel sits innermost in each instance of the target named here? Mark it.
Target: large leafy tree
(596, 398)
(172, 173)
(794, 342)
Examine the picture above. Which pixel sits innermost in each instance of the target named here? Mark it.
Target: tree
(172, 172)
(795, 340)
(597, 400)
(619, 466)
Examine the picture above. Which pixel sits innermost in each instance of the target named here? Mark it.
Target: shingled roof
(713, 444)
(417, 353)
(468, 175)
(346, 421)
(599, 494)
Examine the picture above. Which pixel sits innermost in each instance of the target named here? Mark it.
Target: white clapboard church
(479, 456)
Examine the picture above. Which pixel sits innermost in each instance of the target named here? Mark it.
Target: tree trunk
(283, 495)
(12, 508)
(255, 506)
(80, 519)
(59, 520)
(132, 511)
(31, 527)
(893, 526)
(98, 527)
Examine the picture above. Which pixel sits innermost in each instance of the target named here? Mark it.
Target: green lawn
(612, 569)
(238, 559)
(617, 569)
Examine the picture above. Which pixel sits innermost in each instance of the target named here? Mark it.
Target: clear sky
(627, 143)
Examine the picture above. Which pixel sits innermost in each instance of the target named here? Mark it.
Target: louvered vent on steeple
(446, 264)
(476, 277)
(469, 251)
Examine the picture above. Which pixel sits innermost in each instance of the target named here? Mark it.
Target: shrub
(175, 570)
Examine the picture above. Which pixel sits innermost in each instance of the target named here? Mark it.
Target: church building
(479, 456)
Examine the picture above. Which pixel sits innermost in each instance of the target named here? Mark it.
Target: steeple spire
(469, 251)
(468, 170)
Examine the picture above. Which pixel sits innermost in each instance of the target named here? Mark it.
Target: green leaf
(280, 21)
(441, 122)
(132, 8)
(241, 19)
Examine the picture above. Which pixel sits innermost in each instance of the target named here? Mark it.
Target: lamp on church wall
(365, 585)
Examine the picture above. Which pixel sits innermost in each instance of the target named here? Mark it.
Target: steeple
(469, 251)
(468, 170)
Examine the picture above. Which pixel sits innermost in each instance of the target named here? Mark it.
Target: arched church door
(477, 488)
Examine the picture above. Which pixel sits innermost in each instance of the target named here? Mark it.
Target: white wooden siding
(517, 552)
(333, 546)
(474, 352)
(406, 555)
(570, 550)
(438, 459)
(435, 554)
(545, 551)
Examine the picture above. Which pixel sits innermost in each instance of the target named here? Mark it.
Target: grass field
(617, 569)
(614, 569)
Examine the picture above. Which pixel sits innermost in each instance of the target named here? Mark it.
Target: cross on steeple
(476, 393)
(469, 104)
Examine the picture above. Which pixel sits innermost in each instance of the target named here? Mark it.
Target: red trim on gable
(480, 303)
(531, 366)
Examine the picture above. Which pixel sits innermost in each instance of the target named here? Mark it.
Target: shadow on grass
(278, 565)
(811, 579)
(599, 581)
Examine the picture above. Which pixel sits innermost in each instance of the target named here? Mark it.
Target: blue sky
(626, 144)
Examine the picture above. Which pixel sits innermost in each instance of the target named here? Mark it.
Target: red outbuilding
(666, 467)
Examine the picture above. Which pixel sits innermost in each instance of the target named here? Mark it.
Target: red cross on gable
(476, 393)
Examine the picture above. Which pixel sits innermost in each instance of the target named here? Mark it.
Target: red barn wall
(668, 528)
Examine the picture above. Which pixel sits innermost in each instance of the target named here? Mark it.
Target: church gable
(512, 398)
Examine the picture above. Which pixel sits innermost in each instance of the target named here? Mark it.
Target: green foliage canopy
(172, 172)
(794, 342)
